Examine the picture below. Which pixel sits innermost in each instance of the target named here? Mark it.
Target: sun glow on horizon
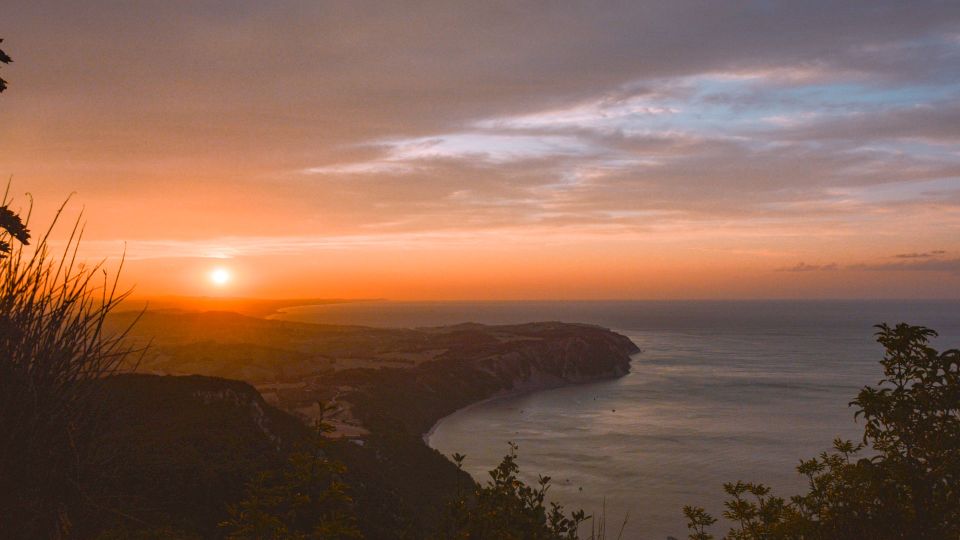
(220, 276)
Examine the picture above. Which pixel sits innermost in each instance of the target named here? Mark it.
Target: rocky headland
(386, 387)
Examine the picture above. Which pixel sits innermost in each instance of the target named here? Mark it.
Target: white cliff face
(478, 363)
(555, 363)
(573, 358)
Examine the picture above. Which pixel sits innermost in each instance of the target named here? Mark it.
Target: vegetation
(908, 486)
(52, 350)
(180, 450)
(4, 59)
(507, 508)
(306, 499)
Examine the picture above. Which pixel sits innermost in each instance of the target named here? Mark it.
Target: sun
(220, 276)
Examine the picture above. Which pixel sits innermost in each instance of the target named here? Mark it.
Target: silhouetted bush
(304, 500)
(909, 486)
(507, 508)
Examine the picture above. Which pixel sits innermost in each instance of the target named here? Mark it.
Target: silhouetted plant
(307, 499)
(507, 508)
(4, 59)
(52, 352)
(697, 521)
(11, 226)
(908, 488)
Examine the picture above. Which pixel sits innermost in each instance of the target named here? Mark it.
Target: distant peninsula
(365, 372)
(386, 387)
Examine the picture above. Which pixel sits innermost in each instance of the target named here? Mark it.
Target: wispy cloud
(228, 247)
(930, 265)
(803, 267)
(920, 255)
(910, 262)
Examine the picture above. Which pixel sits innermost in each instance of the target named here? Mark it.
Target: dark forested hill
(175, 450)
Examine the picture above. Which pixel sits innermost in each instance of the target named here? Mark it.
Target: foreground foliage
(305, 499)
(4, 59)
(909, 485)
(52, 350)
(507, 508)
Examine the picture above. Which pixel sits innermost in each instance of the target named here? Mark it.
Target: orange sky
(482, 151)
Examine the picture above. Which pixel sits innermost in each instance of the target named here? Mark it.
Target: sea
(722, 391)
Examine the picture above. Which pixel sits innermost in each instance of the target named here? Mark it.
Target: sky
(495, 150)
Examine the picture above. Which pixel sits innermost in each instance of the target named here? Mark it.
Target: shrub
(909, 487)
(506, 508)
(306, 499)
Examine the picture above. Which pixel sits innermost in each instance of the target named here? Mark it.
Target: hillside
(176, 450)
(387, 386)
(433, 371)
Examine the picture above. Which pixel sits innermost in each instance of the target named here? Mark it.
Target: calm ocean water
(722, 391)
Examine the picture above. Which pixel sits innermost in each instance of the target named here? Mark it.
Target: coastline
(517, 392)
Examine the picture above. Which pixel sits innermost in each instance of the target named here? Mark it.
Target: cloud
(784, 119)
(923, 255)
(229, 247)
(803, 267)
(913, 262)
(933, 265)
(933, 121)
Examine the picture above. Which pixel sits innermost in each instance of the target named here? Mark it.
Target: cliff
(205, 436)
(483, 362)
(398, 405)
(367, 372)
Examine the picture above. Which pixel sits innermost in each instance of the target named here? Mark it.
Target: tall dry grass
(53, 350)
